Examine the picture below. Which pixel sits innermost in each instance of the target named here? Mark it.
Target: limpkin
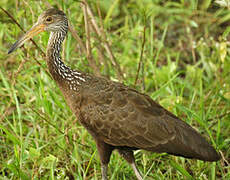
(117, 117)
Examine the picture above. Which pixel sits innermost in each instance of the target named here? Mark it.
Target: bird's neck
(62, 74)
(55, 64)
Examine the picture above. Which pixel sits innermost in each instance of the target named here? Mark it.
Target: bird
(118, 117)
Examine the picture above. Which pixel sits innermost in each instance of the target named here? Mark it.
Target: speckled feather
(121, 116)
(118, 117)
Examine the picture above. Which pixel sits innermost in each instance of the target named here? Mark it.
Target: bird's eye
(49, 19)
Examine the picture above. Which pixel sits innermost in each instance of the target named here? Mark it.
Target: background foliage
(185, 66)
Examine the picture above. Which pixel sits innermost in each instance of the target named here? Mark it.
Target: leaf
(223, 3)
(223, 51)
(181, 169)
(49, 161)
(9, 135)
(34, 153)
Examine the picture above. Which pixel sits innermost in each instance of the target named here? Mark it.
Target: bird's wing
(121, 116)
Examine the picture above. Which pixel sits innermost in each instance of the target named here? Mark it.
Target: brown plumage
(118, 117)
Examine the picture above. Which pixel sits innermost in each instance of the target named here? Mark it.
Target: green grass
(185, 67)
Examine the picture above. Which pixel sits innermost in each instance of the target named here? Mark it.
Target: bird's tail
(188, 143)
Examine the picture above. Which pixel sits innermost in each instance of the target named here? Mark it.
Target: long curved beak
(36, 29)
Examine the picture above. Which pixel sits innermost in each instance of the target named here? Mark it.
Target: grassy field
(175, 51)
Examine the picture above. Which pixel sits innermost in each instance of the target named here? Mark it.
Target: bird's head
(52, 20)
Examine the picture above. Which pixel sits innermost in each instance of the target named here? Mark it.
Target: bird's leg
(104, 169)
(129, 157)
(136, 171)
(105, 151)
